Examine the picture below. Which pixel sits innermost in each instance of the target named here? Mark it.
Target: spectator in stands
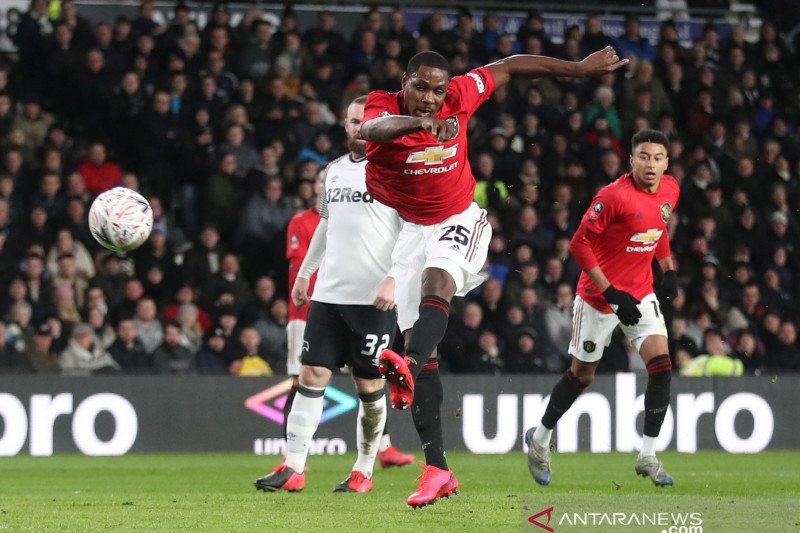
(172, 357)
(33, 122)
(99, 174)
(228, 281)
(714, 361)
(525, 357)
(224, 196)
(204, 258)
(41, 356)
(67, 245)
(103, 332)
(631, 43)
(148, 328)
(558, 319)
(263, 223)
(213, 357)
(84, 356)
(750, 352)
(10, 359)
(191, 330)
(250, 362)
(128, 350)
(784, 354)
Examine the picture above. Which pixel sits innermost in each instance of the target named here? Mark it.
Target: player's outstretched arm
(390, 128)
(531, 66)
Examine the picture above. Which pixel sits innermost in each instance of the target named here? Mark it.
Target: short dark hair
(428, 59)
(650, 136)
(361, 100)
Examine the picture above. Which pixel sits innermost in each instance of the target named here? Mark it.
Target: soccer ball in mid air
(120, 219)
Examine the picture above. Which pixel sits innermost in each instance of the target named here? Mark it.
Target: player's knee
(315, 376)
(371, 396)
(438, 282)
(583, 374)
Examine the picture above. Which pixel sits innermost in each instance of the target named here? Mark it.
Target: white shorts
(592, 329)
(458, 245)
(294, 341)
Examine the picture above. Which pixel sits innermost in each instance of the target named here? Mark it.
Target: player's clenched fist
(441, 129)
(624, 305)
(300, 292)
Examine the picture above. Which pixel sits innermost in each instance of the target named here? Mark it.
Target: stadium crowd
(224, 128)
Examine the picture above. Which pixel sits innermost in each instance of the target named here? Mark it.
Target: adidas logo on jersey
(455, 247)
(346, 194)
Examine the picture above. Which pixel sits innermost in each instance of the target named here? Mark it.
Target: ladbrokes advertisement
(482, 414)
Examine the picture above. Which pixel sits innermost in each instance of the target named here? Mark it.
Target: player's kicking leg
(302, 423)
(371, 421)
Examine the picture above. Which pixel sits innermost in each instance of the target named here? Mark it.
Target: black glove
(624, 305)
(668, 290)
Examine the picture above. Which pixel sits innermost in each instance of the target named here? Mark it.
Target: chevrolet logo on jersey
(433, 155)
(648, 237)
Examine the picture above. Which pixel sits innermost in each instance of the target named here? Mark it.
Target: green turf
(214, 492)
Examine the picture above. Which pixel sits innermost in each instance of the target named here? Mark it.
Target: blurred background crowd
(224, 128)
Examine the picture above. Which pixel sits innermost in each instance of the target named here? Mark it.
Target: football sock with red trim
(427, 415)
(564, 394)
(656, 396)
(428, 331)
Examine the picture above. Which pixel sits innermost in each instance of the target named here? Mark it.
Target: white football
(120, 219)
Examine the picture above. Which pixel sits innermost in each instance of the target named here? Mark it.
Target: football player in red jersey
(417, 164)
(623, 230)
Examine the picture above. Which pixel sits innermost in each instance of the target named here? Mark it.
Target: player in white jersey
(352, 246)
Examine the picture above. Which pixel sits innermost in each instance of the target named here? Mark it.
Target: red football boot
(436, 483)
(394, 367)
(355, 482)
(281, 478)
(391, 456)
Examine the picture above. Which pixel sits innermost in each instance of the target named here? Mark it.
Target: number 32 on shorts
(372, 348)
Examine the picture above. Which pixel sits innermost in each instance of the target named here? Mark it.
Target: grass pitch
(214, 492)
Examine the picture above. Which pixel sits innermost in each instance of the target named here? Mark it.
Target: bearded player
(417, 164)
(623, 230)
(298, 238)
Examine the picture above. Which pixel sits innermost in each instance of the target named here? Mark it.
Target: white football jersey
(360, 238)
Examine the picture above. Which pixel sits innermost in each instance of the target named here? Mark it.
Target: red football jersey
(298, 237)
(627, 226)
(424, 180)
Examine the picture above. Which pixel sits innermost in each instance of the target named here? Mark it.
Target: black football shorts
(353, 335)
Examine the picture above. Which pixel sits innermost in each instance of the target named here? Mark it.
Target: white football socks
(371, 420)
(301, 426)
(541, 436)
(386, 443)
(648, 446)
